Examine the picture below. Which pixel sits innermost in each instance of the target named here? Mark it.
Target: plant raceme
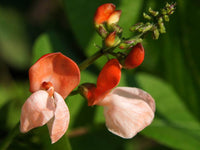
(127, 110)
(52, 78)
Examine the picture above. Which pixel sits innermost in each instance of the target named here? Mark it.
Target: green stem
(7, 141)
(90, 60)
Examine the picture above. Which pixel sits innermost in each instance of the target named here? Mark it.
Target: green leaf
(170, 135)
(14, 44)
(175, 115)
(42, 46)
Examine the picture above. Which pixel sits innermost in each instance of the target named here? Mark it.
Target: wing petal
(59, 124)
(36, 111)
(128, 111)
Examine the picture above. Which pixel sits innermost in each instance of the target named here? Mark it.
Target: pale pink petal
(59, 124)
(36, 111)
(128, 111)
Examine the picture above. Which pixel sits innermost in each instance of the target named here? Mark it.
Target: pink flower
(52, 78)
(127, 110)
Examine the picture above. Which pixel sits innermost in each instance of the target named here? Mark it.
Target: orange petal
(103, 12)
(135, 57)
(108, 78)
(110, 39)
(110, 75)
(128, 111)
(59, 124)
(36, 111)
(56, 68)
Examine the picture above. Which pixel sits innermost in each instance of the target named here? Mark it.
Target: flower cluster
(127, 110)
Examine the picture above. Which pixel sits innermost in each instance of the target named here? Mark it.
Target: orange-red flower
(135, 57)
(108, 78)
(52, 78)
(106, 12)
(103, 12)
(127, 110)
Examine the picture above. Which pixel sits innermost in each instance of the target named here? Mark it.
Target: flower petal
(56, 68)
(135, 57)
(109, 76)
(59, 124)
(36, 111)
(103, 12)
(128, 111)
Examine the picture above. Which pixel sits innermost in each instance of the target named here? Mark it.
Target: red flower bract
(56, 68)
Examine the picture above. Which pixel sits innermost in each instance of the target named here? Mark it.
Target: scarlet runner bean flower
(52, 78)
(127, 110)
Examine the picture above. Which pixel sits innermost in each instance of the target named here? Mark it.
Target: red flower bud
(114, 17)
(135, 57)
(112, 40)
(103, 13)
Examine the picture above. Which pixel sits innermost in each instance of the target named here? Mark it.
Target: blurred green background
(170, 72)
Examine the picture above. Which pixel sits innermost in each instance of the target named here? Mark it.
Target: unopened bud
(147, 16)
(136, 26)
(156, 34)
(116, 28)
(161, 25)
(153, 13)
(135, 57)
(103, 12)
(145, 27)
(102, 31)
(112, 40)
(114, 17)
(166, 18)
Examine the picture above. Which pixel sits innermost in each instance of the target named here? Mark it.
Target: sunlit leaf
(42, 46)
(172, 111)
(173, 136)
